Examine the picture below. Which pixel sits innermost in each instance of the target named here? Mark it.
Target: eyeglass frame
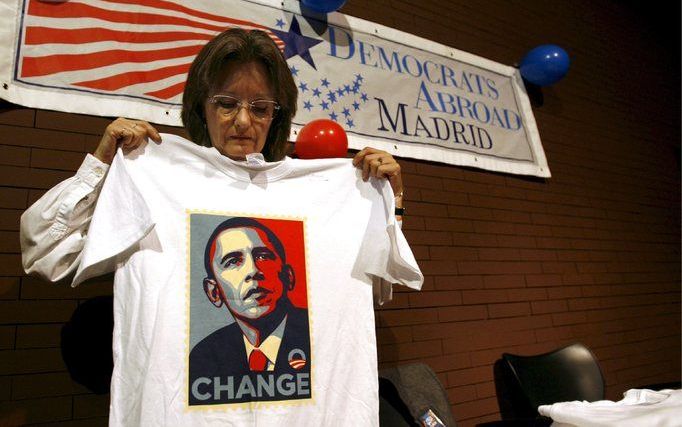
(248, 105)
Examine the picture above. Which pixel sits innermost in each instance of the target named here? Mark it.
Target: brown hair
(241, 46)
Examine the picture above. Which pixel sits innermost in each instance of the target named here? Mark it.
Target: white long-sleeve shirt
(54, 229)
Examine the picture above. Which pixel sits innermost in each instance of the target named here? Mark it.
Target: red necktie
(257, 360)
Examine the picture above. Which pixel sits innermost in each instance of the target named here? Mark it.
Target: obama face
(249, 274)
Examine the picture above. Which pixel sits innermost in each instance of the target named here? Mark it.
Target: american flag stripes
(136, 48)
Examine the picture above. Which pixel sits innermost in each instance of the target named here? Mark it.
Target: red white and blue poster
(389, 89)
(249, 329)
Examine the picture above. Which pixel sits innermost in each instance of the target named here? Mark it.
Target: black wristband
(400, 211)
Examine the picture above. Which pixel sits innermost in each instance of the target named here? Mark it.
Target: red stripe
(168, 92)
(44, 65)
(43, 35)
(134, 77)
(78, 10)
(167, 5)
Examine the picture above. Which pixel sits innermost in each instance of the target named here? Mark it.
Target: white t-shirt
(159, 208)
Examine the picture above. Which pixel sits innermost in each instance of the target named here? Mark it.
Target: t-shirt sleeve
(385, 254)
(121, 219)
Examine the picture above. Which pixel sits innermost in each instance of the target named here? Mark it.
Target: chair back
(567, 374)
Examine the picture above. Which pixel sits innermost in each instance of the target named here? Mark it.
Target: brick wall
(512, 263)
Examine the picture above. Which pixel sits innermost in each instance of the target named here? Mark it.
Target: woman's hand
(126, 133)
(380, 164)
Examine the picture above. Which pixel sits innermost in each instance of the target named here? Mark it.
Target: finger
(375, 164)
(150, 131)
(389, 170)
(370, 163)
(357, 159)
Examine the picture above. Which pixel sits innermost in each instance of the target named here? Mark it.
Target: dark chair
(406, 392)
(569, 373)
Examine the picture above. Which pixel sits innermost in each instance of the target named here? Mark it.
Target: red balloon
(321, 139)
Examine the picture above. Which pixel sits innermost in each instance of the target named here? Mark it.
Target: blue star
(325, 82)
(331, 97)
(303, 86)
(324, 105)
(350, 124)
(363, 97)
(296, 43)
(280, 23)
(333, 116)
(355, 89)
(316, 92)
(358, 78)
(346, 112)
(356, 106)
(339, 92)
(307, 105)
(294, 70)
(346, 88)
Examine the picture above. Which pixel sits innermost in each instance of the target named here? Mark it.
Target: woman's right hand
(128, 134)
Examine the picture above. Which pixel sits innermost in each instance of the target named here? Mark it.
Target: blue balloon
(545, 64)
(324, 6)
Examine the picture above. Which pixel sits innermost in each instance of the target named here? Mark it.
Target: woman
(245, 65)
(239, 99)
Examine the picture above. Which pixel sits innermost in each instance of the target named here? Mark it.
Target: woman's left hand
(379, 164)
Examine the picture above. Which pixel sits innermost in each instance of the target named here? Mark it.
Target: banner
(390, 90)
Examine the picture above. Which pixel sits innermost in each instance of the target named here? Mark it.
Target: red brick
(529, 294)
(9, 288)
(428, 237)
(543, 280)
(554, 306)
(409, 351)
(461, 394)
(448, 362)
(10, 265)
(394, 335)
(14, 156)
(53, 159)
(475, 408)
(407, 317)
(569, 318)
(5, 388)
(90, 405)
(453, 253)
(30, 411)
(435, 299)
(469, 376)
(504, 281)
(508, 310)
(29, 137)
(44, 385)
(39, 336)
(32, 178)
(458, 282)
(7, 334)
(9, 242)
(499, 267)
(460, 313)
(484, 296)
(17, 116)
(498, 254)
(20, 312)
(30, 361)
(13, 198)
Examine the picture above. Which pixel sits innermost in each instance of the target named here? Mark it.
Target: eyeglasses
(260, 109)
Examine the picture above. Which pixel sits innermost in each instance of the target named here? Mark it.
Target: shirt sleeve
(120, 220)
(54, 229)
(385, 254)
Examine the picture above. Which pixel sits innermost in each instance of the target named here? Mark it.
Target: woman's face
(238, 134)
